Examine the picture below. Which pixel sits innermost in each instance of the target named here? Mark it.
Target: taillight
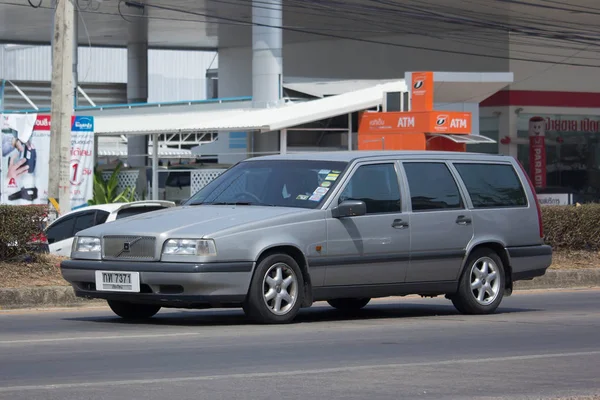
(43, 238)
(537, 203)
(40, 238)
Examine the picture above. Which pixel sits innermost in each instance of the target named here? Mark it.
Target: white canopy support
(466, 139)
(246, 119)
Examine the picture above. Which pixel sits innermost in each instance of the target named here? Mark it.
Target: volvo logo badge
(127, 246)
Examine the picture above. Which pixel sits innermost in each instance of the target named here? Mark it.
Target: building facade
(173, 75)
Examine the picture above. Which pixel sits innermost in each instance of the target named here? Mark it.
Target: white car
(60, 233)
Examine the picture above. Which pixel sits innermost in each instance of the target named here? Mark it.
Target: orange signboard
(450, 122)
(393, 122)
(421, 91)
(422, 128)
(405, 141)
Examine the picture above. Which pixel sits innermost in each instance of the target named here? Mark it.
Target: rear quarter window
(492, 185)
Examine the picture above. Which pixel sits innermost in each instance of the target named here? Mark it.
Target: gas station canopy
(450, 89)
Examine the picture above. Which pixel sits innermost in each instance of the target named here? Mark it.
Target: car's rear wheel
(481, 287)
(349, 304)
(276, 290)
(132, 311)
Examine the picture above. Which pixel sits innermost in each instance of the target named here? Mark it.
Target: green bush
(572, 227)
(18, 226)
(565, 227)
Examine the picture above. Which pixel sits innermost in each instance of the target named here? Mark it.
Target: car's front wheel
(276, 291)
(481, 287)
(130, 311)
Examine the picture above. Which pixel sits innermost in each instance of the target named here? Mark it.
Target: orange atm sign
(450, 122)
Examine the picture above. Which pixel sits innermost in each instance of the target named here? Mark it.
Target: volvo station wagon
(278, 233)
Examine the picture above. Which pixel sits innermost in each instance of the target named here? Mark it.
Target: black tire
(263, 311)
(466, 300)
(130, 311)
(349, 304)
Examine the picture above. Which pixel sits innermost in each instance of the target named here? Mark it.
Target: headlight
(87, 245)
(190, 247)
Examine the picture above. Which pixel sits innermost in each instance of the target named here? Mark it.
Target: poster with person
(25, 159)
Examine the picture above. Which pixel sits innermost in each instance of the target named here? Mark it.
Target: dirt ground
(44, 269)
(575, 260)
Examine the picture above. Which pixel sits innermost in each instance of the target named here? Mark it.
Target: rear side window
(492, 185)
(432, 186)
(101, 217)
(61, 230)
(84, 221)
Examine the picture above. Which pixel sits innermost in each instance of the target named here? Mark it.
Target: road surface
(538, 345)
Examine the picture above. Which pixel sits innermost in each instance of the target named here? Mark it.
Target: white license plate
(118, 281)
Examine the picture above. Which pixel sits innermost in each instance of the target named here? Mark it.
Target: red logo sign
(43, 122)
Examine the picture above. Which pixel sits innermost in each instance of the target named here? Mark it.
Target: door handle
(462, 220)
(398, 223)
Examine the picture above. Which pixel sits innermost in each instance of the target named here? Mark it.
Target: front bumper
(180, 285)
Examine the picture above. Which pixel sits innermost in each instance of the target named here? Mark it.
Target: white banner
(556, 199)
(25, 159)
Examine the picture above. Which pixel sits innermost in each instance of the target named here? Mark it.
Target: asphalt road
(538, 345)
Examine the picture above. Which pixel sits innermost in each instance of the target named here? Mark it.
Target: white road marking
(294, 372)
(86, 338)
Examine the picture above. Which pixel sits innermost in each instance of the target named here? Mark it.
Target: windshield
(281, 183)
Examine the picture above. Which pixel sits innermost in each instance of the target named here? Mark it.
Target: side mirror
(349, 208)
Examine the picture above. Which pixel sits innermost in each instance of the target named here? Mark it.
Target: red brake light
(537, 203)
(39, 238)
(43, 238)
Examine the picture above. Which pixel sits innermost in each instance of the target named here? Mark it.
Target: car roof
(357, 155)
(112, 207)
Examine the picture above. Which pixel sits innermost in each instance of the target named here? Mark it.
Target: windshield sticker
(316, 197)
(326, 184)
(336, 172)
(324, 171)
(302, 197)
(331, 177)
(321, 190)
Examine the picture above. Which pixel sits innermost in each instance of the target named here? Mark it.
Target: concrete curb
(562, 279)
(63, 296)
(48, 296)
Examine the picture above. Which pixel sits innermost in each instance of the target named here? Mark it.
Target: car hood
(189, 221)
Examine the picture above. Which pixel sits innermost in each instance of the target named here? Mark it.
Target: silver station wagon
(275, 234)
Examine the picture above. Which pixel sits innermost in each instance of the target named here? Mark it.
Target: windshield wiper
(229, 203)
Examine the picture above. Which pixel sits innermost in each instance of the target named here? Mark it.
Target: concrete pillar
(235, 72)
(75, 56)
(137, 81)
(267, 68)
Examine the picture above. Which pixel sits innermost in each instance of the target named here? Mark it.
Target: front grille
(129, 248)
